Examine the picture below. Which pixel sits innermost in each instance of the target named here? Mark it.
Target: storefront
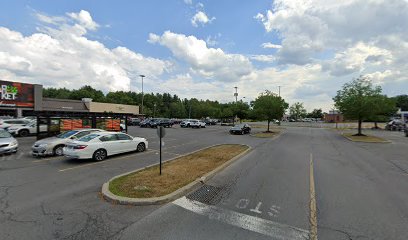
(22, 99)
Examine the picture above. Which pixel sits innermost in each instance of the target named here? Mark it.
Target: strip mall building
(23, 99)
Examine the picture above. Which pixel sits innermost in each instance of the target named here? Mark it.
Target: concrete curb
(352, 140)
(110, 197)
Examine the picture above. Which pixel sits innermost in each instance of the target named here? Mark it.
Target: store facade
(23, 99)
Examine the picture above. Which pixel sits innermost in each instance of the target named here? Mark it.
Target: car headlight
(43, 145)
(13, 143)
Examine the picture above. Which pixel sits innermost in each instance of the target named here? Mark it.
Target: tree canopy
(269, 106)
(359, 100)
(297, 111)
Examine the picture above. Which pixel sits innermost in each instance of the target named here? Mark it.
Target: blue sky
(204, 48)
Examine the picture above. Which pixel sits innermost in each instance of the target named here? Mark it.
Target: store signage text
(8, 92)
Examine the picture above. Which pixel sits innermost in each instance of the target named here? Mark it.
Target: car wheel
(23, 133)
(141, 147)
(58, 150)
(242, 132)
(99, 155)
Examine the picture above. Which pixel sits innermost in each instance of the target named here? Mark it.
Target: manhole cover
(207, 194)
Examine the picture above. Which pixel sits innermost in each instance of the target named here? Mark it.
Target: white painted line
(251, 223)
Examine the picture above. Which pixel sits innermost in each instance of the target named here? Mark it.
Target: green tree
(87, 92)
(384, 108)
(297, 110)
(269, 106)
(357, 100)
(402, 102)
(240, 109)
(316, 113)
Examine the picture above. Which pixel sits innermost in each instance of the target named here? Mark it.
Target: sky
(204, 49)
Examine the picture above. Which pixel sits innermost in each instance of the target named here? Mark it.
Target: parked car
(197, 124)
(210, 121)
(165, 123)
(134, 122)
(55, 145)
(101, 145)
(186, 123)
(6, 123)
(145, 123)
(240, 129)
(8, 144)
(25, 130)
(395, 125)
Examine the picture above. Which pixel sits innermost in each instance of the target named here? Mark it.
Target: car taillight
(80, 146)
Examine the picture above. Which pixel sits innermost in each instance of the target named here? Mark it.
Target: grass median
(177, 173)
(367, 138)
(266, 134)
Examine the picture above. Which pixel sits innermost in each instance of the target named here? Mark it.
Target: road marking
(274, 211)
(313, 209)
(256, 209)
(251, 223)
(105, 161)
(242, 203)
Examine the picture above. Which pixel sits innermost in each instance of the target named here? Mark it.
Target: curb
(350, 139)
(110, 197)
(271, 138)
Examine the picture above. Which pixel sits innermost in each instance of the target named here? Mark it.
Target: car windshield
(5, 134)
(66, 134)
(88, 138)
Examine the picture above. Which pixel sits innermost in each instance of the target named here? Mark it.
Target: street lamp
(142, 76)
(236, 94)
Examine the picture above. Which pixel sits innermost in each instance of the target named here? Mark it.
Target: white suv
(197, 124)
(186, 123)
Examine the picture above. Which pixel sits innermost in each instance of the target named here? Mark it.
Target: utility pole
(142, 76)
(236, 94)
(279, 90)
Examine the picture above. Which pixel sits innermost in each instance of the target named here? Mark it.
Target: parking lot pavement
(55, 197)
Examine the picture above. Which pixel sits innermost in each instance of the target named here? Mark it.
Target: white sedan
(99, 146)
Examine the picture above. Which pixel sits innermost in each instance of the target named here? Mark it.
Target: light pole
(142, 76)
(236, 94)
(279, 90)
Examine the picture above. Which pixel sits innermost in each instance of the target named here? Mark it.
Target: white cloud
(208, 62)
(189, 2)
(271, 45)
(356, 58)
(60, 55)
(85, 19)
(201, 18)
(263, 58)
(312, 27)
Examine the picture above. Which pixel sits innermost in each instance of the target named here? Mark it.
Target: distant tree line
(158, 105)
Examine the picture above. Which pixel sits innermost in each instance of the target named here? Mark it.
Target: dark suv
(165, 123)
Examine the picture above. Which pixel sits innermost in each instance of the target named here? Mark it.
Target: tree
(297, 110)
(357, 100)
(269, 106)
(385, 107)
(316, 113)
(240, 109)
(402, 102)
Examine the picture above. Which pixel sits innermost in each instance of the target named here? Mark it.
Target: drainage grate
(207, 194)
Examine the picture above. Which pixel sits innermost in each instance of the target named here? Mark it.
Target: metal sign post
(161, 133)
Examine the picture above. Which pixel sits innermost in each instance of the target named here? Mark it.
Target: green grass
(175, 174)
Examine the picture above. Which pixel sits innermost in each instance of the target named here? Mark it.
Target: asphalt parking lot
(53, 197)
(59, 198)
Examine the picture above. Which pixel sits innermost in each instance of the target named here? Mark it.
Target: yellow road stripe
(109, 160)
(313, 209)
